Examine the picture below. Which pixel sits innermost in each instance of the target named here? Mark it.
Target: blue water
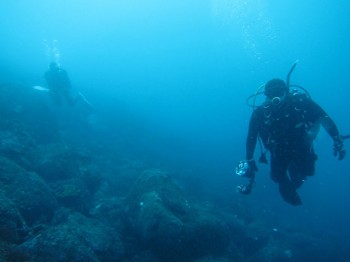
(183, 70)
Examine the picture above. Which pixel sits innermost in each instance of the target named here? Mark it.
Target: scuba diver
(286, 125)
(59, 85)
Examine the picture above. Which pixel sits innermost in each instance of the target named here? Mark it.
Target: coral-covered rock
(206, 234)
(109, 210)
(156, 223)
(77, 239)
(72, 193)
(166, 223)
(155, 208)
(159, 182)
(55, 162)
(12, 225)
(273, 252)
(29, 193)
(23, 111)
(255, 237)
(214, 259)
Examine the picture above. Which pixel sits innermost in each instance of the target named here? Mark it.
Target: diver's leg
(56, 98)
(302, 166)
(289, 193)
(68, 96)
(279, 166)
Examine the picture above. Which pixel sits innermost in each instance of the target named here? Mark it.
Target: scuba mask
(276, 96)
(277, 100)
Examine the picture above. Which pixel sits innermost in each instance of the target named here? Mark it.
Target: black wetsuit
(59, 85)
(288, 133)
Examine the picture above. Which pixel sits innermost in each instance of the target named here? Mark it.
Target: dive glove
(338, 147)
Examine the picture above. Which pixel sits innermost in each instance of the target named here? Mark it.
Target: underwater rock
(72, 193)
(156, 223)
(109, 210)
(159, 182)
(274, 251)
(26, 122)
(214, 259)
(143, 256)
(16, 144)
(206, 234)
(77, 239)
(168, 225)
(123, 172)
(156, 205)
(30, 194)
(12, 225)
(24, 111)
(304, 247)
(55, 162)
(254, 237)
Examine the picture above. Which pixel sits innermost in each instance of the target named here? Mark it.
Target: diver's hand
(338, 148)
(252, 165)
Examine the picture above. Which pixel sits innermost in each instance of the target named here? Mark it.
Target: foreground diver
(286, 124)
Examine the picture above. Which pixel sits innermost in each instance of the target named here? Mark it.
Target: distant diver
(286, 124)
(59, 87)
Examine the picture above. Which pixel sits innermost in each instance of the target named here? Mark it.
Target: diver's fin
(83, 98)
(41, 88)
(345, 137)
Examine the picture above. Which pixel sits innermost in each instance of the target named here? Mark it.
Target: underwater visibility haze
(166, 83)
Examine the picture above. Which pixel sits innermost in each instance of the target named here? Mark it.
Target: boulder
(12, 225)
(76, 238)
(55, 162)
(166, 223)
(28, 192)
